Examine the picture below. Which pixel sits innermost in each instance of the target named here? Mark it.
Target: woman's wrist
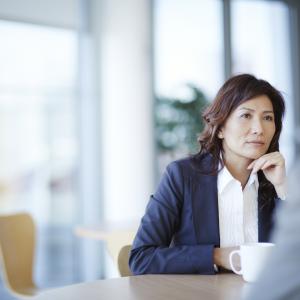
(216, 256)
(281, 191)
(221, 257)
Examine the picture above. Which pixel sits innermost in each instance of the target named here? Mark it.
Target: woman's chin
(255, 155)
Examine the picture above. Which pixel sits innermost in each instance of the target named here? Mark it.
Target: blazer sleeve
(152, 252)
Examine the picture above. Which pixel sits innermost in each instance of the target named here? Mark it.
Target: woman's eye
(269, 118)
(246, 116)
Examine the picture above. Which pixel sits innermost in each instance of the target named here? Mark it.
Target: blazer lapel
(265, 218)
(205, 209)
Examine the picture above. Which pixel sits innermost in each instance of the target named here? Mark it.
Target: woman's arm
(151, 252)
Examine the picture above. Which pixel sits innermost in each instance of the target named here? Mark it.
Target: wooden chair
(123, 258)
(17, 244)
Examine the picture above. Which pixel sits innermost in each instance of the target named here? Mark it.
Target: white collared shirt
(238, 215)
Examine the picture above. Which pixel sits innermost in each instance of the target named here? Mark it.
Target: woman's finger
(268, 164)
(258, 165)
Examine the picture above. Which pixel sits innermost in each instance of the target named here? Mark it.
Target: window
(188, 46)
(38, 140)
(188, 50)
(260, 44)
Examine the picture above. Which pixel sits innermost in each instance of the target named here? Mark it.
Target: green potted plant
(178, 123)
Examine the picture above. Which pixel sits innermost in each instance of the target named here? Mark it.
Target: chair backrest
(17, 243)
(123, 259)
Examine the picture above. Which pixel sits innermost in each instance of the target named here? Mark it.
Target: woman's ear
(220, 134)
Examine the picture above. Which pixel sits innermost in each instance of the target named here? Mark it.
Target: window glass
(188, 50)
(260, 45)
(38, 141)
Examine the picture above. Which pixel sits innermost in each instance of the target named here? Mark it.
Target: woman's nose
(257, 127)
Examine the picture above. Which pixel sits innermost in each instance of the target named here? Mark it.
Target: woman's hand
(221, 257)
(273, 166)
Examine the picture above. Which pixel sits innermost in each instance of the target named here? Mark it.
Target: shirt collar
(225, 178)
(253, 179)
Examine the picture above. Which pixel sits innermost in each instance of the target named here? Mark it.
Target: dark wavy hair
(234, 92)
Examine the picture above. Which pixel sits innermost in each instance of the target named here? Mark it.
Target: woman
(208, 204)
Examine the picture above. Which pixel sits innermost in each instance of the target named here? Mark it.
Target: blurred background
(97, 96)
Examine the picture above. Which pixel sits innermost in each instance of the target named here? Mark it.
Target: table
(226, 286)
(115, 235)
(104, 231)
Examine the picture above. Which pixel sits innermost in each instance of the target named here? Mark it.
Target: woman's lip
(256, 143)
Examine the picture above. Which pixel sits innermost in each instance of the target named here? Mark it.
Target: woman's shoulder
(193, 163)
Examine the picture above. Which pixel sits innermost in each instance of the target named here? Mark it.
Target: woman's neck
(238, 169)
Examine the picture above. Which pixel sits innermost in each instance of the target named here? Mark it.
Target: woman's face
(249, 129)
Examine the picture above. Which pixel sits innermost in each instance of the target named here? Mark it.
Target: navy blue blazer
(180, 228)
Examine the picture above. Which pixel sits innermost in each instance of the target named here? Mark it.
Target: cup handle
(239, 272)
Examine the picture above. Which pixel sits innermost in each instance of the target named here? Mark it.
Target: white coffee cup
(253, 256)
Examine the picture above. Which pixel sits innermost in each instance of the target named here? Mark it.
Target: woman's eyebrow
(246, 108)
(268, 112)
(264, 112)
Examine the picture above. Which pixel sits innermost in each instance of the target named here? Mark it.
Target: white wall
(115, 75)
(126, 97)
